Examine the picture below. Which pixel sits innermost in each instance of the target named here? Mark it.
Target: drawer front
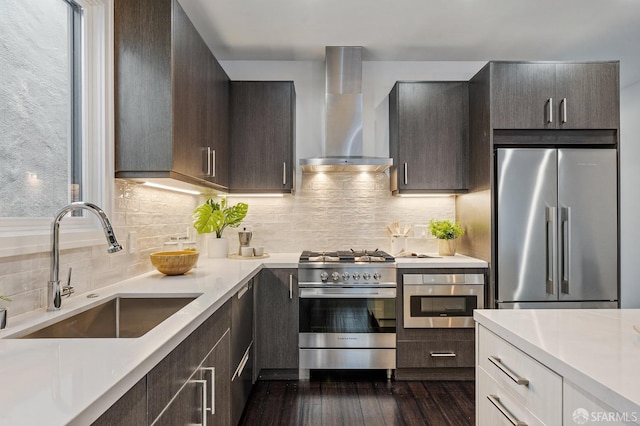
(165, 379)
(530, 383)
(495, 406)
(435, 354)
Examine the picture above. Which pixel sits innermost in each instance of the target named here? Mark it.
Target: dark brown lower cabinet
(205, 394)
(131, 409)
(218, 364)
(438, 354)
(276, 324)
(241, 349)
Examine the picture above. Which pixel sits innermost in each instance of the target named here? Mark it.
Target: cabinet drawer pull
(563, 110)
(496, 403)
(212, 389)
(436, 354)
(291, 286)
(203, 409)
(406, 174)
(550, 110)
(513, 376)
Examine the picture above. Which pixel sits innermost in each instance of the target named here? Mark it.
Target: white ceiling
(424, 30)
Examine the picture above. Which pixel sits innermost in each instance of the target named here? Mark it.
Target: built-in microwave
(441, 300)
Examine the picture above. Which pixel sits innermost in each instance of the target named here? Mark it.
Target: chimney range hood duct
(343, 103)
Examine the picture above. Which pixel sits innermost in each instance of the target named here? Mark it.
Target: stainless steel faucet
(54, 290)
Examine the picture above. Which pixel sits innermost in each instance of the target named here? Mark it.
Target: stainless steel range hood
(343, 128)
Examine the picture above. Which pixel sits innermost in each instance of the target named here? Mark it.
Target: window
(55, 117)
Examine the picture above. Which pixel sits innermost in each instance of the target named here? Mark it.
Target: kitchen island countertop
(596, 349)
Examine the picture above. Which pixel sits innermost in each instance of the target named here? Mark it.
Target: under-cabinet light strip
(425, 195)
(259, 195)
(171, 188)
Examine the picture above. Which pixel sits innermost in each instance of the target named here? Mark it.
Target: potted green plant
(3, 312)
(446, 232)
(215, 217)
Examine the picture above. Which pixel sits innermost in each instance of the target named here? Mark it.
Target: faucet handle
(68, 289)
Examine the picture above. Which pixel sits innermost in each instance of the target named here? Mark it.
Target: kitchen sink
(121, 317)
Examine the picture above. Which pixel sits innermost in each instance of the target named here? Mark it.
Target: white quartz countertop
(597, 349)
(73, 381)
(435, 261)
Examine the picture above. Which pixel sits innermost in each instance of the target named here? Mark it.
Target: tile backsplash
(339, 211)
(154, 215)
(329, 211)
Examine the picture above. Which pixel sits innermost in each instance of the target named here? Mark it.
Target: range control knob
(356, 276)
(335, 276)
(377, 276)
(366, 276)
(323, 276)
(345, 276)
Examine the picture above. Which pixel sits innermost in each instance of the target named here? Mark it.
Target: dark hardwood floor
(352, 401)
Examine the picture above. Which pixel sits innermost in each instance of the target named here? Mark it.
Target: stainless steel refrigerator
(557, 228)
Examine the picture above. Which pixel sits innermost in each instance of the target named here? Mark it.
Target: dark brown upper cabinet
(555, 95)
(262, 136)
(428, 137)
(171, 99)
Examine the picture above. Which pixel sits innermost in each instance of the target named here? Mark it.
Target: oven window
(443, 306)
(347, 315)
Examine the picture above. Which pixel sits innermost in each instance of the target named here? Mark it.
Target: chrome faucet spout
(54, 290)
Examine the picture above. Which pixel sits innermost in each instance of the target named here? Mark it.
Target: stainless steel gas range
(347, 311)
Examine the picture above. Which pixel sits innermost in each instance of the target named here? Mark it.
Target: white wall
(630, 195)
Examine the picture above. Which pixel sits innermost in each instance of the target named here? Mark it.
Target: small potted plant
(3, 312)
(214, 217)
(446, 232)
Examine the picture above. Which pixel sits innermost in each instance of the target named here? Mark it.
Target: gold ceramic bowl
(174, 262)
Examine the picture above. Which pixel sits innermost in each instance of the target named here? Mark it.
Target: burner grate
(351, 256)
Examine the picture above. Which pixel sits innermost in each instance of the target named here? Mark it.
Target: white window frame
(20, 236)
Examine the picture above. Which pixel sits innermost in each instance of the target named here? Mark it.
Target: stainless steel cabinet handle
(563, 110)
(213, 163)
(566, 250)
(206, 151)
(291, 286)
(550, 111)
(203, 409)
(551, 248)
(212, 389)
(513, 376)
(496, 403)
(284, 173)
(435, 354)
(406, 175)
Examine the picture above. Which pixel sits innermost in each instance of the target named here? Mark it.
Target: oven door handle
(347, 293)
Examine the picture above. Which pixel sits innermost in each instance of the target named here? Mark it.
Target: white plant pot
(447, 247)
(217, 247)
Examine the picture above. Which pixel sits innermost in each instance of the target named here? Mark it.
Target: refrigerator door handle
(552, 243)
(565, 272)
